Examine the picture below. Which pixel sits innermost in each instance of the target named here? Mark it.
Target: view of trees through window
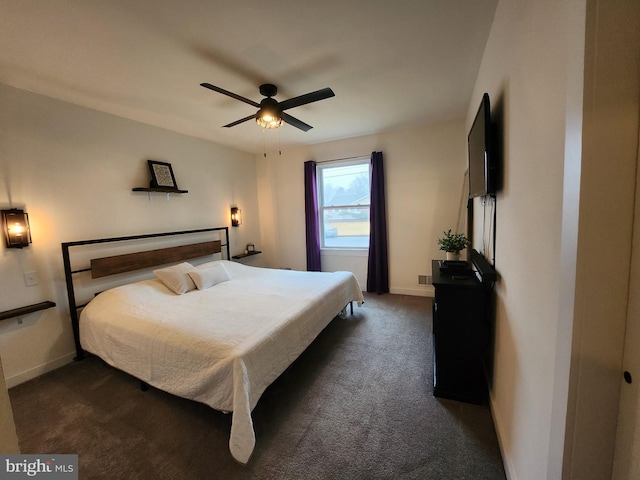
(344, 198)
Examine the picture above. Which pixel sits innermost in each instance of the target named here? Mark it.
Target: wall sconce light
(15, 225)
(236, 217)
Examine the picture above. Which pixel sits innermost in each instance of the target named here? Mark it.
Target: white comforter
(222, 346)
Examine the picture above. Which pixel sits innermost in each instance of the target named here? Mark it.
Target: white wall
(73, 169)
(565, 82)
(526, 71)
(424, 169)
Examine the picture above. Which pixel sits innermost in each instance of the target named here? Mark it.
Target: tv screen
(481, 152)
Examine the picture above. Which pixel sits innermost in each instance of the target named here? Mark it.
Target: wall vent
(424, 280)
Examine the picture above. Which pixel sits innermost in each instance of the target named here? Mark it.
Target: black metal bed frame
(69, 273)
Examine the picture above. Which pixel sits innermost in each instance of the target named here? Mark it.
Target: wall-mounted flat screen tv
(481, 143)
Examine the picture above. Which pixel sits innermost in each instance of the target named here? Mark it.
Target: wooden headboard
(129, 262)
(105, 266)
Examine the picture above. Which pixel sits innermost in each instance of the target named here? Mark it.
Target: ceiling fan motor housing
(270, 105)
(268, 90)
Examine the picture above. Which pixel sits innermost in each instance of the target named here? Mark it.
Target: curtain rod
(343, 159)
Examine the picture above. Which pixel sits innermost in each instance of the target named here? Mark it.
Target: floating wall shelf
(245, 255)
(160, 190)
(18, 312)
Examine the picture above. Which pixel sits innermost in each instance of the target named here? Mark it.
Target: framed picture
(162, 175)
(251, 248)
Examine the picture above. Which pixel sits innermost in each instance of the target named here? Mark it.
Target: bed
(223, 340)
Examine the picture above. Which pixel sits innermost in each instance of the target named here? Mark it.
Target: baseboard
(39, 370)
(508, 467)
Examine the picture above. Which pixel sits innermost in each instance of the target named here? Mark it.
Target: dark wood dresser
(461, 329)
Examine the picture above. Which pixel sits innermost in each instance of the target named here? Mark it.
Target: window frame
(322, 208)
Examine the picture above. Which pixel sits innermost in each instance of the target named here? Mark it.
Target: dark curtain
(378, 265)
(311, 216)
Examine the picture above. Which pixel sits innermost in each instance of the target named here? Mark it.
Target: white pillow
(177, 277)
(210, 276)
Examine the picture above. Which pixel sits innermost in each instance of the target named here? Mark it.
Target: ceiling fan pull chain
(264, 144)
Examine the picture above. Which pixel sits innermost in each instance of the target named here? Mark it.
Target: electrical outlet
(31, 279)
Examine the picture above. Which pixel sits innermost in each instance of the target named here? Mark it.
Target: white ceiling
(390, 63)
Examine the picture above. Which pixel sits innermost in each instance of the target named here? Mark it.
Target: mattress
(223, 345)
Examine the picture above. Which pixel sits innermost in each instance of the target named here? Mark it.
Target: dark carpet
(357, 404)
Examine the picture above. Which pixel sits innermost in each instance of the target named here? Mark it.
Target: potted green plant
(453, 243)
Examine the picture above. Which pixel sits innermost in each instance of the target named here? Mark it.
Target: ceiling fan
(270, 112)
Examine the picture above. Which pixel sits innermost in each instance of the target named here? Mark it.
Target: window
(344, 197)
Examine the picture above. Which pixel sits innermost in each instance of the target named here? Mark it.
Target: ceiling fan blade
(307, 98)
(294, 122)
(242, 120)
(230, 94)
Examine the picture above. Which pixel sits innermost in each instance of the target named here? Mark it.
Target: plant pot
(453, 256)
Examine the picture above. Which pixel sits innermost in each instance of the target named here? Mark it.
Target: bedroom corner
(8, 437)
(73, 170)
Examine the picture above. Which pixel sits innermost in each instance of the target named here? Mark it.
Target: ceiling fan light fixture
(268, 119)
